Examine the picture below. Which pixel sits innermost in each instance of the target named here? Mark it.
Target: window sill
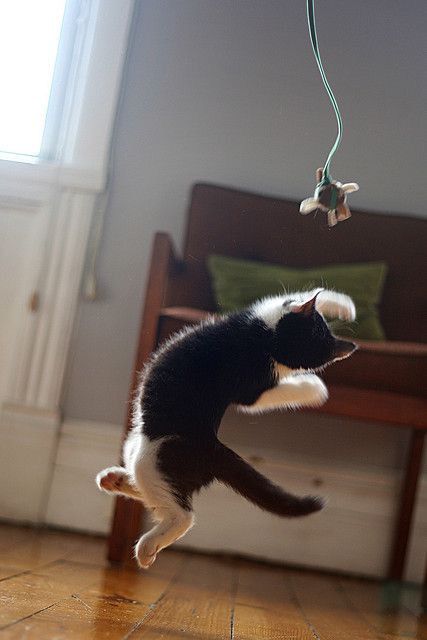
(27, 169)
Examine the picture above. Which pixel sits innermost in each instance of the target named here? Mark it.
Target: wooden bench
(383, 382)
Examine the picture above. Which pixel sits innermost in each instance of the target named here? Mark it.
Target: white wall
(227, 91)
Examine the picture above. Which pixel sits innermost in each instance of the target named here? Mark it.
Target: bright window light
(29, 37)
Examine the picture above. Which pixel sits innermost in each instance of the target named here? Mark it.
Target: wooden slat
(80, 619)
(28, 593)
(376, 406)
(198, 604)
(89, 550)
(331, 615)
(380, 606)
(393, 347)
(23, 549)
(264, 607)
(7, 572)
(36, 548)
(111, 609)
(11, 535)
(389, 347)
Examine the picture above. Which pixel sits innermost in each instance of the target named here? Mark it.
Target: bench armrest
(190, 315)
(415, 349)
(384, 367)
(372, 405)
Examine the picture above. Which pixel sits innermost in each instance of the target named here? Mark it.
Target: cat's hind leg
(167, 472)
(174, 522)
(117, 480)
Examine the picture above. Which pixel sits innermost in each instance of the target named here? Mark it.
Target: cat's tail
(233, 471)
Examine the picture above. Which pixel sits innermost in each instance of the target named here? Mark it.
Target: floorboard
(385, 610)
(58, 586)
(264, 606)
(198, 603)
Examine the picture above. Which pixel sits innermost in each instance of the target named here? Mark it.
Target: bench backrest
(247, 225)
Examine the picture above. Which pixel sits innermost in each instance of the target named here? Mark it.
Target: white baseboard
(28, 439)
(353, 534)
(75, 502)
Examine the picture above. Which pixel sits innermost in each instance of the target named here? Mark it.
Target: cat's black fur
(193, 378)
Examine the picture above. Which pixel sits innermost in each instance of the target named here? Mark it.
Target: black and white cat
(259, 359)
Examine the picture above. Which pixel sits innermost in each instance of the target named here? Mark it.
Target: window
(30, 34)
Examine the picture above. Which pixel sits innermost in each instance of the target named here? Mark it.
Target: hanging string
(326, 178)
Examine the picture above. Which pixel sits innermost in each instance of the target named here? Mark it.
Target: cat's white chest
(282, 371)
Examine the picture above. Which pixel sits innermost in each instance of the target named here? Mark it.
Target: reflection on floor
(59, 586)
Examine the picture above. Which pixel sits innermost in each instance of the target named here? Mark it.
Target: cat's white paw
(145, 553)
(336, 305)
(111, 479)
(346, 308)
(313, 390)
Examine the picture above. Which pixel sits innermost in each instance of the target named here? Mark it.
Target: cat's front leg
(305, 390)
(117, 480)
(336, 305)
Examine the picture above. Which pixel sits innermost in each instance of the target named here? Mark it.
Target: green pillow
(237, 283)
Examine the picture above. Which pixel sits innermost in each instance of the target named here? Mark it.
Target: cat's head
(302, 339)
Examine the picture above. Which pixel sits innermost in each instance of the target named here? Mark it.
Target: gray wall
(227, 91)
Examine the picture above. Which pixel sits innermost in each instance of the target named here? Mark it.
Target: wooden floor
(58, 585)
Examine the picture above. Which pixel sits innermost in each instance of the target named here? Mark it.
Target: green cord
(326, 179)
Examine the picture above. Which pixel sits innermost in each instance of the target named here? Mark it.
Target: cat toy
(330, 195)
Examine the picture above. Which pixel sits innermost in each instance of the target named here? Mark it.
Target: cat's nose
(344, 349)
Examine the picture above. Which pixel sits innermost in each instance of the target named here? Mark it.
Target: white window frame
(79, 123)
(72, 31)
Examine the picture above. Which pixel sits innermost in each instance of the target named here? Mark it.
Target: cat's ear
(305, 308)
(343, 349)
